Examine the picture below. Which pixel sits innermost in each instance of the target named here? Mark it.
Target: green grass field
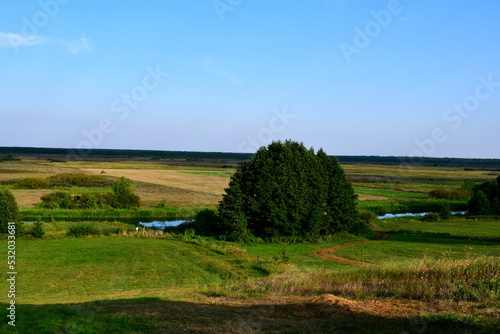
(411, 248)
(388, 193)
(131, 284)
(89, 269)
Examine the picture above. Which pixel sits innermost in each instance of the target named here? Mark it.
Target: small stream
(397, 215)
(163, 224)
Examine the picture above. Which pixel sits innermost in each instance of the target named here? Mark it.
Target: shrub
(108, 230)
(90, 201)
(33, 183)
(37, 230)
(128, 201)
(444, 211)
(123, 186)
(449, 194)
(57, 200)
(431, 217)
(206, 223)
(82, 229)
(367, 217)
(65, 180)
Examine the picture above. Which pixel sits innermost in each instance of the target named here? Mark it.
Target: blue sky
(406, 78)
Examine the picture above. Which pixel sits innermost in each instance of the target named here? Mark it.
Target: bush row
(449, 194)
(83, 229)
(63, 200)
(64, 180)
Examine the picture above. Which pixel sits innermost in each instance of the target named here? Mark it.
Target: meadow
(410, 275)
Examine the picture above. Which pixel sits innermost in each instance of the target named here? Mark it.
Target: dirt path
(327, 253)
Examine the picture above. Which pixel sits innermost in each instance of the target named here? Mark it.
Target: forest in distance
(229, 159)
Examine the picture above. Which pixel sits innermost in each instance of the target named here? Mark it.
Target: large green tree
(288, 190)
(9, 211)
(485, 198)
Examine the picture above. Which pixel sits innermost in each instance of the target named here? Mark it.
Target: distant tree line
(68, 153)
(200, 156)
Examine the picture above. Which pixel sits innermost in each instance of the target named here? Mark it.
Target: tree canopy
(288, 190)
(486, 198)
(9, 211)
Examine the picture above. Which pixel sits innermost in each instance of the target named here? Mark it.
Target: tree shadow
(155, 315)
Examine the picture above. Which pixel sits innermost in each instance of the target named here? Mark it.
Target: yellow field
(177, 188)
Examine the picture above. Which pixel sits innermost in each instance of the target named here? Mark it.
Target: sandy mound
(329, 303)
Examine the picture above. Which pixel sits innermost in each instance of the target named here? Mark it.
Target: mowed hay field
(178, 188)
(156, 183)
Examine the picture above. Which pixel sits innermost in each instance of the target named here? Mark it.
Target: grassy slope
(152, 285)
(408, 246)
(300, 254)
(85, 269)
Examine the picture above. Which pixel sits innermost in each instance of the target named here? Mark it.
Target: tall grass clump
(475, 280)
(143, 213)
(84, 229)
(32, 183)
(449, 194)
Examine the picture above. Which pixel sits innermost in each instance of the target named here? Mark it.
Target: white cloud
(79, 45)
(12, 40)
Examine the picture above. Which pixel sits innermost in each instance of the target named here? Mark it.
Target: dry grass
(418, 172)
(473, 280)
(175, 187)
(29, 198)
(21, 169)
(363, 197)
(210, 184)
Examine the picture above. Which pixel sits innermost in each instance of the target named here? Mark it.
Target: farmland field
(409, 275)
